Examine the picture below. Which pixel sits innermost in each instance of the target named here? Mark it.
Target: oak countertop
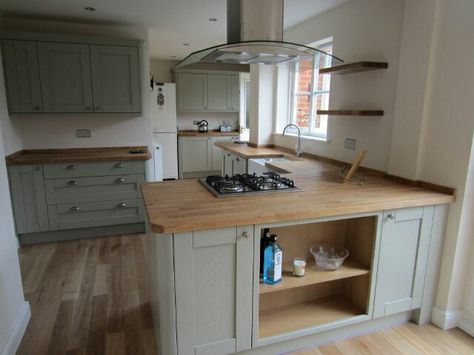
(186, 205)
(194, 133)
(75, 155)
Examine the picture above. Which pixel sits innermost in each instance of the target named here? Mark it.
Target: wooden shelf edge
(351, 112)
(356, 67)
(350, 268)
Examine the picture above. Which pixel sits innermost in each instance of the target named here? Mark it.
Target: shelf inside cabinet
(351, 112)
(302, 315)
(356, 67)
(349, 268)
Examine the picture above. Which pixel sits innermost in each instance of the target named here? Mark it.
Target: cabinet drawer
(94, 214)
(94, 169)
(103, 188)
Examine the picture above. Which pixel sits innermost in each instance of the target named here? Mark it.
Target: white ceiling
(171, 22)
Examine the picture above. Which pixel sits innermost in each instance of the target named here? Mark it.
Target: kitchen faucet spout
(298, 149)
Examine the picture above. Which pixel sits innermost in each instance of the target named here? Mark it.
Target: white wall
(38, 132)
(162, 70)
(447, 137)
(361, 30)
(12, 303)
(185, 119)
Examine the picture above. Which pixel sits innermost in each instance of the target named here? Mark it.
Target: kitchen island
(204, 260)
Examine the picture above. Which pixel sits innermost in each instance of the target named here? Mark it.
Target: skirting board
(445, 319)
(14, 340)
(466, 323)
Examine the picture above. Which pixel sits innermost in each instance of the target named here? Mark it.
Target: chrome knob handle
(119, 180)
(245, 234)
(391, 216)
(72, 183)
(71, 167)
(75, 209)
(119, 165)
(122, 205)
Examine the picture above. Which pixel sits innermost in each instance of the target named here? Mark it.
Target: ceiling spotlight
(213, 19)
(185, 44)
(89, 9)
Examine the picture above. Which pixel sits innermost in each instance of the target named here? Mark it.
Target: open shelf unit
(351, 112)
(356, 67)
(350, 268)
(319, 297)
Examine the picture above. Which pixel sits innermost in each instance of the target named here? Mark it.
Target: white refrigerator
(163, 115)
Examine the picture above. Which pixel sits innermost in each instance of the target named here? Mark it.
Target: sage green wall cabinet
(22, 77)
(115, 79)
(213, 278)
(192, 92)
(65, 77)
(208, 92)
(223, 92)
(29, 199)
(64, 201)
(50, 73)
(404, 246)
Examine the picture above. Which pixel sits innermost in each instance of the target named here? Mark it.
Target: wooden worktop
(186, 205)
(194, 133)
(72, 155)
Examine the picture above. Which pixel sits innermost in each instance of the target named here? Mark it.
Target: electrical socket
(195, 122)
(83, 133)
(350, 143)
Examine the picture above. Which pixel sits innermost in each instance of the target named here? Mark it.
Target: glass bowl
(328, 257)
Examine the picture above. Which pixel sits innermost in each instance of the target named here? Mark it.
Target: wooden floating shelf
(297, 316)
(351, 112)
(349, 268)
(354, 67)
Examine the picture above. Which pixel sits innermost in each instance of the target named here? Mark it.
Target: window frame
(311, 132)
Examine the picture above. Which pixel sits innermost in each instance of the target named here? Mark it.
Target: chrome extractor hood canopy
(255, 35)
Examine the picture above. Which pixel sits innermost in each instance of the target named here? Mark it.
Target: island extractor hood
(254, 35)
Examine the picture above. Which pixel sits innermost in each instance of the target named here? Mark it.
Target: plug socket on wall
(83, 133)
(195, 122)
(350, 143)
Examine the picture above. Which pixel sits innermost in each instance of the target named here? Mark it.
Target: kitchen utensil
(203, 126)
(328, 257)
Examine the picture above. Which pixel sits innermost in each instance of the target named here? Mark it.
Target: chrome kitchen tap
(298, 149)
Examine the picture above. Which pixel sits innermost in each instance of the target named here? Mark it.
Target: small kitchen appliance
(244, 184)
(203, 126)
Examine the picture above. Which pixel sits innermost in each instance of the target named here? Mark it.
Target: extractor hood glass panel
(251, 52)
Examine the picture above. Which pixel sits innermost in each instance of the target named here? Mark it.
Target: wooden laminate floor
(90, 297)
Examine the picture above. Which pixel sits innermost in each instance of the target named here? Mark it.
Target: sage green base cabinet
(200, 157)
(209, 91)
(233, 164)
(69, 74)
(207, 297)
(62, 197)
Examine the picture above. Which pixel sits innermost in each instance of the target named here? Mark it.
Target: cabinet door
(195, 154)
(218, 94)
(115, 79)
(404, 245)
(192, 92)
(227, 161)
(22, 76)
(217, 152)
(234, 93)
(29, 198)
(65, 77)
(213, 273)
(239, 165)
